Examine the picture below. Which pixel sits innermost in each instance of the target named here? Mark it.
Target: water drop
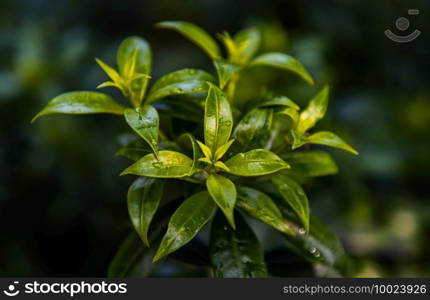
(225, 228)
(313, 250)
(317, 254)
(302, 230)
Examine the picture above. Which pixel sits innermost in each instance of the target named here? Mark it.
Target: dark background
(62, 203)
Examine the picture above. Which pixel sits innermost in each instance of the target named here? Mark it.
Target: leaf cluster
(241, 163)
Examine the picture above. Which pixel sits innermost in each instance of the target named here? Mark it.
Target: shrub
(236, 162)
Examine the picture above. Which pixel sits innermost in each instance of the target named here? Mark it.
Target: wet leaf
(144, 121)
(223, 192)
(255, 163)
(260, 207)
(170, 164)
(186, 222)
(143, 198)
(218, 121)
(294, 195)
(235, 253)
(81, 103)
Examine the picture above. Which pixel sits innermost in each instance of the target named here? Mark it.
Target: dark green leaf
(180, 82)
(311, 163)
(255, 163)
(81, 103)
(170, 164)
(314, 112)
(320, 245)
(196, 34)
(133, 259)
(144, 196)
(218, 120)
(253, 131)
(144, 121)
(260, 207)
(282, 61)
(186, 222)
(134, 149)
(235, 253)
(223, 192)
(185, 107)
(294, 195)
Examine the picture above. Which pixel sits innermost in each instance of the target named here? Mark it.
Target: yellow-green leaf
(223, 192)
(81, 103)
(328, 138)
(260, 207)
(255, 163)
(282, 61)
(314, 112)
(170, 164)
(218, 120)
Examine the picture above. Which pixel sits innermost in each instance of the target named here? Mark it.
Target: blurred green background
(63, 205)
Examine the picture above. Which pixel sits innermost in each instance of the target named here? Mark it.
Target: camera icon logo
(402, 24)
(11, 290)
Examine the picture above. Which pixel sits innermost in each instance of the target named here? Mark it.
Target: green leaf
(170, 164)
(294, 195)
(218, 120)
(184, 107)
(320, 245)
(223, 149)
(247, 43)
(186, 81)
(186, 222)
(194, 33)
(279, 101)
(282, 61)
(235, 253)
(144, 121)
(144, 196)
(223, 192)
(330, 139)
(253, 131)
(132, 259)
(311, 163)
(314, 112)
(291, 113)
(255, 163)
(81, 103)
(143, 62)
(260, 207)
(225, 70)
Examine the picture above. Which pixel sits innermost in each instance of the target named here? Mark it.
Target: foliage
(241, 162)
